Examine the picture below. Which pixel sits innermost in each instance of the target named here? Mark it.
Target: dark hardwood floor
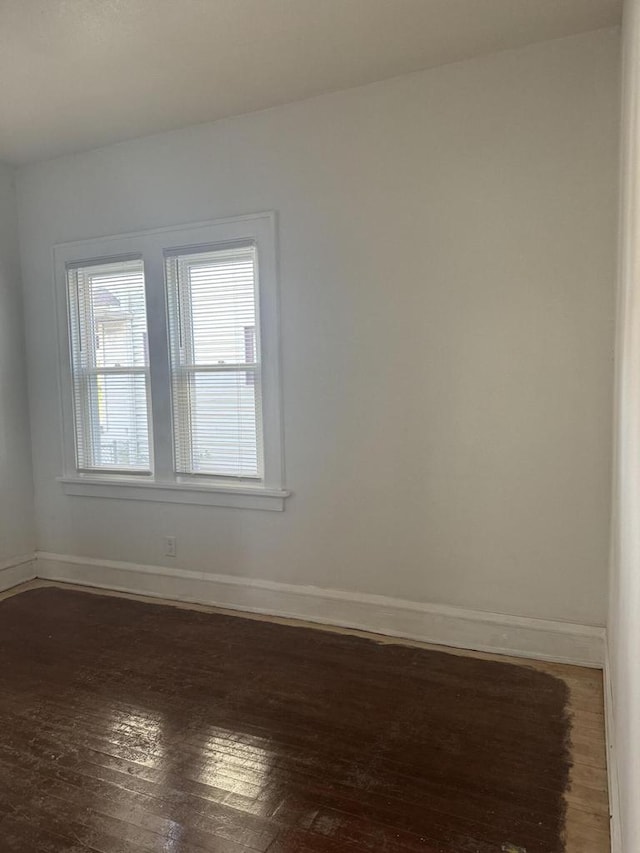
(128, 727)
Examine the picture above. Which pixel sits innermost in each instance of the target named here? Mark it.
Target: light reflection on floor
(139, 734)
(239, 763)
(236, 767)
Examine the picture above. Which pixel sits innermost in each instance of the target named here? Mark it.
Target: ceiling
(77, 74)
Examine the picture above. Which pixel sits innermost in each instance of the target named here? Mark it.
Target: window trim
(164, 484)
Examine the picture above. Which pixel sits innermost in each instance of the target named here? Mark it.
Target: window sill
(243, 497)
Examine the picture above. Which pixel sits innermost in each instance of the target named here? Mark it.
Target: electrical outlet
(169, 546)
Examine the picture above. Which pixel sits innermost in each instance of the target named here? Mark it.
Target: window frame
(163, 484)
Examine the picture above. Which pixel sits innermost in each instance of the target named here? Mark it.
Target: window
(170, 365)
(109, 364)
(215, 375)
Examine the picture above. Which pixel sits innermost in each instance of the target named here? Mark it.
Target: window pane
(224, 429)
(112, 315)
(222, 294)
(117, 411)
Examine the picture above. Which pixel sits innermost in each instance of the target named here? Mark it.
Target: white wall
(447, 252)
(16, 483)
(624, 605)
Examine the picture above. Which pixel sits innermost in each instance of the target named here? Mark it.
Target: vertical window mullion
(159, 372)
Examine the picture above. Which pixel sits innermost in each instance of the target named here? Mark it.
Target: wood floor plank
(136, 726)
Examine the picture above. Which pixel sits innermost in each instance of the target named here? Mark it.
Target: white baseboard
(563, 642)
(17, 570)
(612, 761)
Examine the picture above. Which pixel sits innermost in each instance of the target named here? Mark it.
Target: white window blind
(109, 365)
(215, 362)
